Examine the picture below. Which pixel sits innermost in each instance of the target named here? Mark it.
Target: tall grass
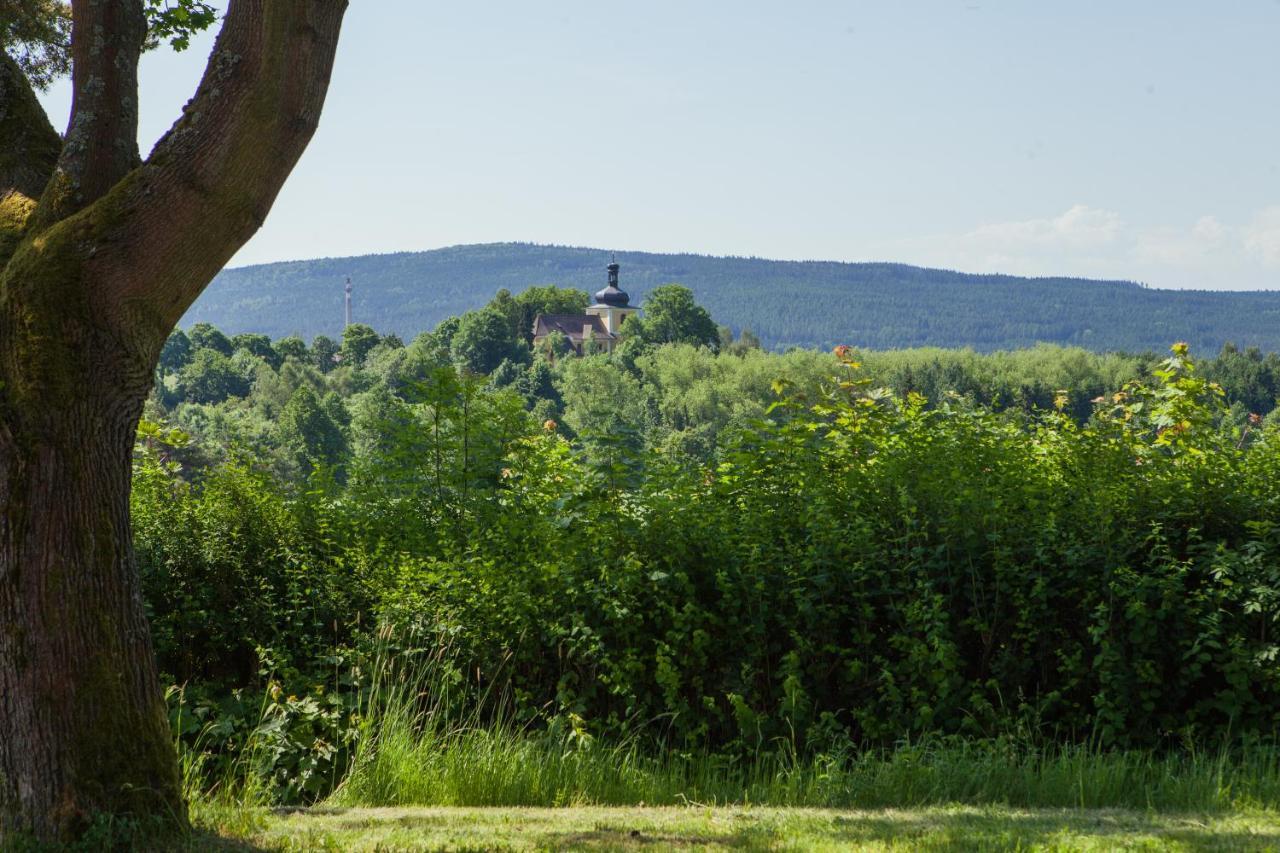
(502, 767)
(417, 749)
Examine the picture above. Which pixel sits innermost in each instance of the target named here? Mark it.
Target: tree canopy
(484, 339)
(671, 316)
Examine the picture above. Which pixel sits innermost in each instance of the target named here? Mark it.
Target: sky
(1130, 140)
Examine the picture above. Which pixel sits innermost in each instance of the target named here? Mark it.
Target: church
(599, 325)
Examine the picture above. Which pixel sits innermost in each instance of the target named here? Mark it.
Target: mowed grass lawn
(737, 828)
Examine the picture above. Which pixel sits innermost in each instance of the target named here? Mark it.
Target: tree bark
(91, 284)
(101, 144)
(29, 146)
(82, 721)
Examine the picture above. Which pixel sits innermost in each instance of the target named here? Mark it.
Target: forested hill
(810, 303)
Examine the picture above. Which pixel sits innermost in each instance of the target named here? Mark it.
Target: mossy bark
(83, 729)
(29, 146)
(101, 144)
(100, 255)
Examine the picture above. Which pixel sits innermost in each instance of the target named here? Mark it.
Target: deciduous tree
(484, 338)
(259, 345)
(291, 347)
(209, 336)
(176, 353)
(357, 340)
(671, 316)
(324, 350)
(101, 252)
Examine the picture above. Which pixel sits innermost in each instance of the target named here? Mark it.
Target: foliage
(548, 299)
(292, 347)
(1054, 546)
(310, 434)
(671, 316)
(210, 377)
(37, 33)
(324, 351)
(176, 353)
(208, 336)
(176, 21)
(357, 342)
(484, 339)
(257, 345)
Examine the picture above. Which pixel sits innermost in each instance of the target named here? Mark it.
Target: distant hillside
(787, 303)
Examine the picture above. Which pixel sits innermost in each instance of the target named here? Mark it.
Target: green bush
(857, 568)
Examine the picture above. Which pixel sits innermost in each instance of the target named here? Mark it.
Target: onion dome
(611, 295)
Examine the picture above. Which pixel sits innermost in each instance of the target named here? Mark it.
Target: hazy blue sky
(1136, 139)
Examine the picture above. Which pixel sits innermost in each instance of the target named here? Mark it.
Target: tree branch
(29, 149)
(155, 241)
(29, 145)
(101, 146)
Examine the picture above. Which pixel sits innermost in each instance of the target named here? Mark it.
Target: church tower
(611, 304)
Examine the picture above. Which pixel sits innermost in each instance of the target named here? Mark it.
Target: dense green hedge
(862, 568)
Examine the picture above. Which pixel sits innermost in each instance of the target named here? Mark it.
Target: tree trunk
(100, 255)
(83, 728)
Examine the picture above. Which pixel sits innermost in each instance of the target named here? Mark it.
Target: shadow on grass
(201, 840)
(607, 838)
(1004, 830)
(938, 832)
(942, 829)
(198, 840)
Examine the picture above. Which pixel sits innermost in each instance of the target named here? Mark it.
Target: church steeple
(612, 295)
(612, 305)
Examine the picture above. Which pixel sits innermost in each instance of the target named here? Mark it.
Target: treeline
(809, 304)
(834, 565)
(676, 382)
(304, 406)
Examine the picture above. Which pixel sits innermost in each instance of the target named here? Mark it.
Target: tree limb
(171, 225)
(29, 145)
(101, 145)
(29, 149)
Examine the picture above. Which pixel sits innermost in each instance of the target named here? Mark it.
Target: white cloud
(1099, 243)
(1262, 237)
(1177, 246)
(1079, 227)
(1209, 230)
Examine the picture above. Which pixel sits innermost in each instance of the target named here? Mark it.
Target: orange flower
(842, 351)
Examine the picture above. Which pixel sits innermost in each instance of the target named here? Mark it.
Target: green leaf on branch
(176, 21)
